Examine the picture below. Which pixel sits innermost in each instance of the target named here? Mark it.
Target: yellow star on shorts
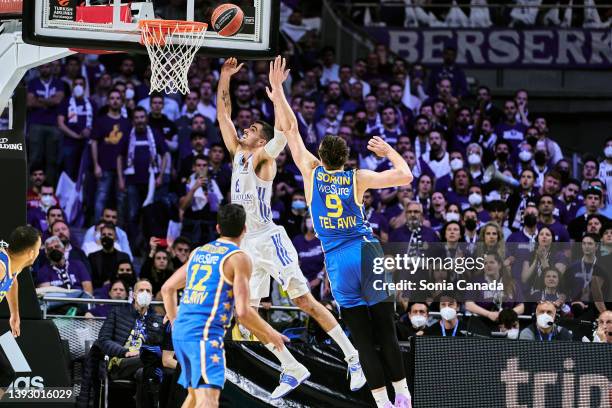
(215, 358)
(223, 318)
(230, 293)
(227, 305)
(214, 344)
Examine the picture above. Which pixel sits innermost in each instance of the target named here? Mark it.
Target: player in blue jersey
(17, 253)
(335, 198)
(216, 282)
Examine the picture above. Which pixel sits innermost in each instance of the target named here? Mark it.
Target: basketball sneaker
(290, 379)
(358, 378)
(402, 401)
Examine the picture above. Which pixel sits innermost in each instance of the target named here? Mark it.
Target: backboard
(113, 24)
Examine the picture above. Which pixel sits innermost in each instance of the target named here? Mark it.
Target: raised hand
(230, 67)
(277, 76)
(377, 145)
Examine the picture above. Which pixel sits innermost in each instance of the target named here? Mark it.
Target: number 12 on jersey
(195, 269)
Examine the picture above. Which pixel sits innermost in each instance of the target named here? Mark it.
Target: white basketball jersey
(252, 193)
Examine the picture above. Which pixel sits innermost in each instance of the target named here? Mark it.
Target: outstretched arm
(399, 175)
(224, 105)
(286, 121)
(171, 287)
(12, 297)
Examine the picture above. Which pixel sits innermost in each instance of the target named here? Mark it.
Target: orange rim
(155, 31)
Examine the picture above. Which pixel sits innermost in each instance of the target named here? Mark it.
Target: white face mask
(475, 199)
(525, 155)
(493, 196)
(143, 299)
(474, 159)
(418, 321)
(78, 91)
(608, 152)
(456, 164)
(512, 334)
(448, 313)
(544, 321)
(451, 217)
(47, 200)
(129, 93)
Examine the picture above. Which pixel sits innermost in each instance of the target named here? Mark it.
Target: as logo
(19, 363)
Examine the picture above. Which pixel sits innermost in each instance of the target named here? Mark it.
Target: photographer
(131, 336)
(199, 204)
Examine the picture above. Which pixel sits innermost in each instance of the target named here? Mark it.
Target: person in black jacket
(127, 334)
(104, 262)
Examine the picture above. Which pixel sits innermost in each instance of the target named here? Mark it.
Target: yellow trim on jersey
(203, 360)
(360, 204)
(312, 179)
(8, 266)
(213, 311)
(223, 261)
(333, 171)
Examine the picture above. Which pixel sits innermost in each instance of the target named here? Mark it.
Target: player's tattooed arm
(224, 105)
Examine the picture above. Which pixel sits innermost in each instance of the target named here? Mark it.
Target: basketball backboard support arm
(16, 57)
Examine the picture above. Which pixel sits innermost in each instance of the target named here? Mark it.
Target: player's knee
(306, 303)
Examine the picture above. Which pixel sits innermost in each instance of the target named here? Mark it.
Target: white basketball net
(171, 45)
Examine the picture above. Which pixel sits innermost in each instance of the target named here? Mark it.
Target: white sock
(381, 397)
(401, 387)
(338, 335)
(284, 356)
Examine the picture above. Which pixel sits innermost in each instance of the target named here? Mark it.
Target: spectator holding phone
(157, 267)
(199, 204)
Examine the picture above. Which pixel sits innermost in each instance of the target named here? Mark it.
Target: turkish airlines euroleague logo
(63, 9)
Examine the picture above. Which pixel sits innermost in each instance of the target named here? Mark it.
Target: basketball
(227, 19)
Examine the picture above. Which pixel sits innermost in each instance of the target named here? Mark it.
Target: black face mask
(55, 255)
(470, 224)
(502, 156)
(530, 220)
(107, 243)
(360, 127)
(540, 158)
(532, 140)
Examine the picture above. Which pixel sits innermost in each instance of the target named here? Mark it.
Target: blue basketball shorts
(202, 362)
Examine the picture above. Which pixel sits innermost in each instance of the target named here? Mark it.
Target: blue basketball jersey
(207, 303)
(7, 280)
(337, 216)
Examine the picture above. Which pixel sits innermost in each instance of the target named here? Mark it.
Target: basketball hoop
(172, 45)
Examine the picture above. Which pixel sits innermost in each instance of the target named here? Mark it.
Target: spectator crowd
(151, 172)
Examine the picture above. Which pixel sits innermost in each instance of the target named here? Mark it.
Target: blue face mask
(298, 205)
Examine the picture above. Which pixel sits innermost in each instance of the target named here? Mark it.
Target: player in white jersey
(271, 250)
